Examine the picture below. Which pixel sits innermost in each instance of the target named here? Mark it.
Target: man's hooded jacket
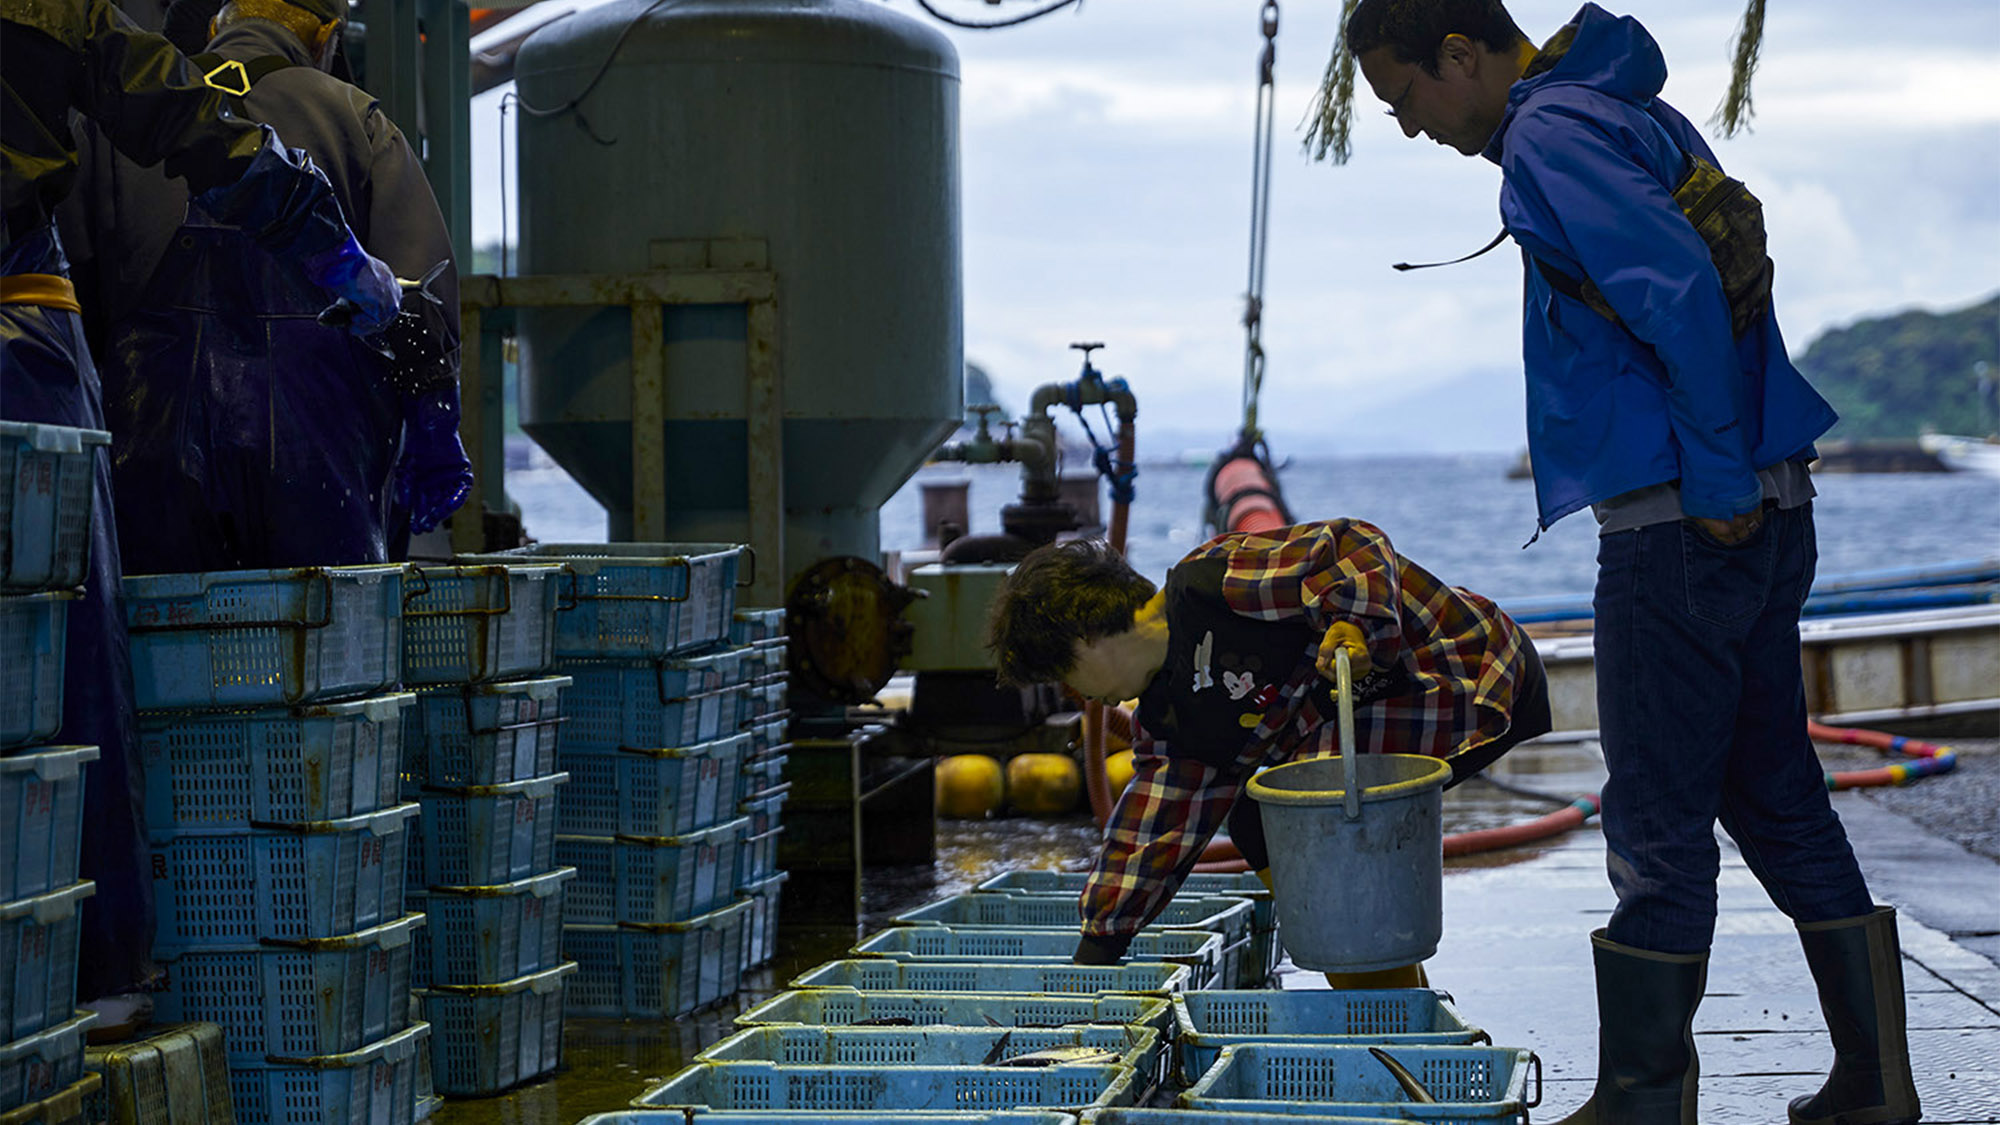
(1591, 157)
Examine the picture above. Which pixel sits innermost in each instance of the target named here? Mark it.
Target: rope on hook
(1330, 118)
(1260, 218)
(1735, 111)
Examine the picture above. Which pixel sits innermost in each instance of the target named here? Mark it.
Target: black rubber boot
(1858, 965)
(1646, 1066)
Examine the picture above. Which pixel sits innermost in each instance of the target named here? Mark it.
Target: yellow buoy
(1043, 784)
(1118, 771)
(969, 787)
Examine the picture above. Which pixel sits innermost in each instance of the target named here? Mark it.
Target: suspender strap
(1497, 240)
(234, 76)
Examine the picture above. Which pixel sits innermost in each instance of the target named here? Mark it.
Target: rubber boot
(1646, 1065)
(1858, 965)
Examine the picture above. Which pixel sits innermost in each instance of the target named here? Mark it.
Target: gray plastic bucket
(1359, 881)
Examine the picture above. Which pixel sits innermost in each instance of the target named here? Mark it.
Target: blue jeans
(1701, 709)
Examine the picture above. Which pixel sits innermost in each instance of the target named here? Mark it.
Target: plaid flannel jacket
(1463, 652)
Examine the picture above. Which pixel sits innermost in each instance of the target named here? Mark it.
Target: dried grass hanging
(1735, 111)
(1330, 118)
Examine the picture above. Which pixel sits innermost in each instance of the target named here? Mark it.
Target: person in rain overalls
(1232, 663)
(58, 56)
(246, 435)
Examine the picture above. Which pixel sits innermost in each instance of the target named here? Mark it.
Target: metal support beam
(445, 84)
(468, 524)
(649, 423)
(764, 419)
(395, 66)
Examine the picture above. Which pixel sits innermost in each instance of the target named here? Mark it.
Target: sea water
(1460, 517)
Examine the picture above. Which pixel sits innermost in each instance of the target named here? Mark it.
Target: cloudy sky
(1107, 178)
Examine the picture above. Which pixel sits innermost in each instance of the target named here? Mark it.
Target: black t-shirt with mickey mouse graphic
(1223, 671)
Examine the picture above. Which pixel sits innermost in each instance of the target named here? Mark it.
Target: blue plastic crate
(639, 599)
(830, 1117)
(1224, 915)
(762, 1085)
(41, 818)
(323, 761)
(378, 1084)
(45, 498)
(481, 835)
(38, 945)
(264, 638)
(43, 1064)
(293, 999)
(769, 735)
(651, 879)
(765, 811)
(486, 1038)
(763, 699)
(764, 771)
(835, 1007)
(878, 974)
(321, 879)
(656, 972)
(749, 626)
(627, 703)
(1471, 1084)
(31, 649)
(1138, 1116)
(1263, 917)
(798, 1045)
(1207, 1022)
(1199, 950)
(79, 1103)
(667, 792)
(486, 935)
(474, 624)
(484, 734)
(760, 930)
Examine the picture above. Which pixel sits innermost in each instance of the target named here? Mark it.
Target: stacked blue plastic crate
(45, 497)
(653, 740)
(766, 718)
(271, 725)
(480, 758)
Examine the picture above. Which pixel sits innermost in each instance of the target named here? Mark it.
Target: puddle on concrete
(608, 1062)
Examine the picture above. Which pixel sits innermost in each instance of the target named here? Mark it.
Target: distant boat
(1964, 454)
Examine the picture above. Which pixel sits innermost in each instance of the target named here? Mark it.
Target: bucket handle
(1343, 672)
(1534, 1061)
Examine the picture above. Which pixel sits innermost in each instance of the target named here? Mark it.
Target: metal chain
(1260, 218)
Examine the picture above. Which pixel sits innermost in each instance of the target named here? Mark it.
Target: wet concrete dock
(1516, 954)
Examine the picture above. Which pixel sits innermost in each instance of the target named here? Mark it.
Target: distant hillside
(1898, 376)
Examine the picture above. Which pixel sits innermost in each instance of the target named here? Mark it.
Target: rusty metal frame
(486, 303)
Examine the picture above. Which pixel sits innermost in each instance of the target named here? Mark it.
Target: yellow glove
(1347, 635)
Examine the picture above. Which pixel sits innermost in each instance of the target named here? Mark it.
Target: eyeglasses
(1396, 107)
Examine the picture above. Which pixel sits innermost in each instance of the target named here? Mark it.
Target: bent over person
(1660, 396)
(1233, 663)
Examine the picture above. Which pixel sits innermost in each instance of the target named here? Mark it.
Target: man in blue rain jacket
(1660, 395)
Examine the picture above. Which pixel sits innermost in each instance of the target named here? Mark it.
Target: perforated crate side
(31, 649)
(264, 638)
(318, 880)
(1200, 950)
(619, 703)
(379, 1084)
(323, 997)
(44, 1064)
(637, 971)
(485, 734)
(752, 625)
(1263, 955)
(1470, 1084)
(760, 926)
(41, 818)
(761, 1085)
(488, 935)
(842, 1006)
(1206, 1022)
(489, 1038)
(885, 975)
(46, 491)
(38, 949)
(475, 624)
(638, 599)
(1227, 916)
(232, 769)
(759, 857)
(796, 1045)
(652, 792)
(651, 879)
(487, 834)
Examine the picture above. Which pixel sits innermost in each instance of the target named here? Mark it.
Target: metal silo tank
(828, 129)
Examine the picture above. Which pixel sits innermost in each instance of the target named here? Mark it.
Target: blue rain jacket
(1590, 157)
